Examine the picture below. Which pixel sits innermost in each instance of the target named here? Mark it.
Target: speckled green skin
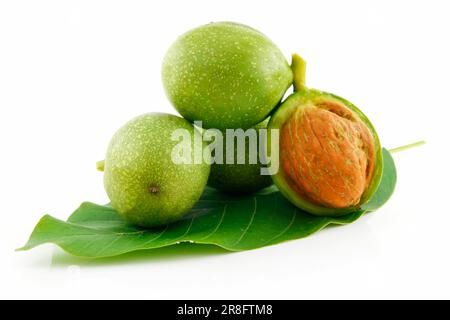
(239, 178)
(226, 74)
(139, 160)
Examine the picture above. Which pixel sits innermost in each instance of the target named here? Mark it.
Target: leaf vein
(217, 226)
(154, 238)
(249, 224)
(109, 245)
(188, 229)
(294, 216)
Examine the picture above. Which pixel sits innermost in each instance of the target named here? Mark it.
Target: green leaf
(233, 223)
(387, 185)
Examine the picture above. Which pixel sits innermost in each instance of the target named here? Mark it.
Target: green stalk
(298, 67)
(408, 146)
(101, 165)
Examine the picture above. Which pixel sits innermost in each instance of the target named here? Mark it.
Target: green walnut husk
(240, 178)
(225, 74)
(331, 159)
(144, 184)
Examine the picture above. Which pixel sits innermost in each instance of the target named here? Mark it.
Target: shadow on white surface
(182, 251)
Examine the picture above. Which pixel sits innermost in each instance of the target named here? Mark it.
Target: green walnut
(238, 178)
(225, 74)
(144, 183)
(330, 156)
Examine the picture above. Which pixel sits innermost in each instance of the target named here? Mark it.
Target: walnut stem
(298, 67)
(408, 146)
(101, 165)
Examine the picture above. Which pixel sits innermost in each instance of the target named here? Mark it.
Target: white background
(72, 72)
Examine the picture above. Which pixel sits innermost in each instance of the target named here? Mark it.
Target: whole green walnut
(240, 178)
(225, 74)
(143, 182)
